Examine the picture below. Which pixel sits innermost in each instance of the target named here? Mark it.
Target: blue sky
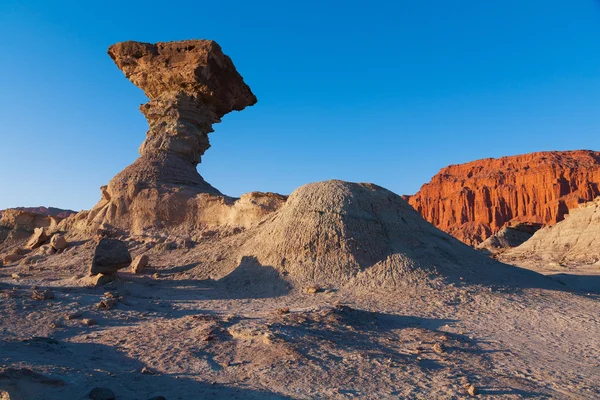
(381, 91)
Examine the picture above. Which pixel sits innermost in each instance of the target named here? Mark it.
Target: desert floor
(177, 334)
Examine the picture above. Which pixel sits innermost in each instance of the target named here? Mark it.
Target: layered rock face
(473, 201)
(191, 85)
(18, 224)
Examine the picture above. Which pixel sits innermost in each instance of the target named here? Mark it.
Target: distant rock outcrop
(46, 211)
(507, 238)
(574, 241)
(17, 224)
(473, 201)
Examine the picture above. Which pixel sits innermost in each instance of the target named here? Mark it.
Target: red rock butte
(473, 201)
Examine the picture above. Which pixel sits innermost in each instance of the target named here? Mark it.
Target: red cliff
(472, 201)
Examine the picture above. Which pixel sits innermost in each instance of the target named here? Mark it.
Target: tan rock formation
(38, 238)
(139, 263)
(191, 85)
(472, 201)
(17, 224)
(573, 241)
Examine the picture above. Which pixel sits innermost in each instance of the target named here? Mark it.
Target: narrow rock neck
(179, 124)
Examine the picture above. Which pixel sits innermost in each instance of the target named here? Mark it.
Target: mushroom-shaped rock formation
(191, 85)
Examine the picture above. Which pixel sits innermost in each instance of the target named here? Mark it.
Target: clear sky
(378, 91)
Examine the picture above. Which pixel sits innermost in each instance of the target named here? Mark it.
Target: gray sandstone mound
(573, 241)
(337, 233)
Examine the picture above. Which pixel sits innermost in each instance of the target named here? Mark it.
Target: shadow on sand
(84, 366)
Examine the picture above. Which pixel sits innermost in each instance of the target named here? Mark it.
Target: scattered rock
(107, 304)
(472, 390)
(439, 348)
(100, 279)
(58, 242)
(37, 239)
(31, 260)
(139, 264)
(283, 310)
(89, 321)
(42, 294)
(75, 315)
(11, 258)
(16, 277)
(312, 289)
(100, 393)
(147, 371)
(110, 256)
(47, 250)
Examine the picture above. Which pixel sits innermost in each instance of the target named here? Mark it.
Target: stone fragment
(139, 263)
(439, 348)
(107, 304)
(11, 258)
(42, 294)
(110, 255)
(58, 242)
(472, 390)
(89, 321)
(37, 239)
(74, 315)
(100, 393)
(47, 250)
(283, 310)
(312, 289)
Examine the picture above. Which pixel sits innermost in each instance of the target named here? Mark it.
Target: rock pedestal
(191, 85)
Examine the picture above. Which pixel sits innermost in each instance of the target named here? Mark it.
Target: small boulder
(139, 264)
(472, 390)
(37, 239)
(100, 393)
(11, 258)
(89, 321)
(47, 250)
(312, 289)
(58, 242)
(42, 294)
(110, 256)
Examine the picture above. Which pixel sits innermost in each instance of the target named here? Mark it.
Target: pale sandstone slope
(573, 241)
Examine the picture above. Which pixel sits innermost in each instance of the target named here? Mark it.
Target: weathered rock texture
(110, 255)
(18, 224)
(475, 200)
(573, 241)
(343, 233)
(507, 238)
(191, 85)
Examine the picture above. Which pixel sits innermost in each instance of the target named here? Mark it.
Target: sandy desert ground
(176, 333)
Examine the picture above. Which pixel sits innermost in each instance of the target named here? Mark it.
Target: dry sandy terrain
(178, 333)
